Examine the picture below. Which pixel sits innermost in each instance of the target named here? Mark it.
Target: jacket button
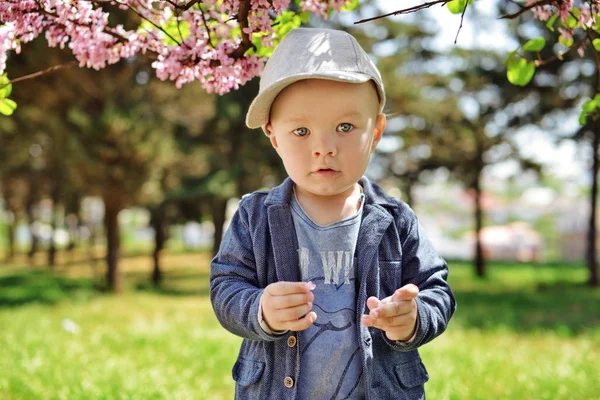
(288, 382)
(292, 341)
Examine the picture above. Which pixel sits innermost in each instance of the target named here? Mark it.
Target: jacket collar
(374, 195)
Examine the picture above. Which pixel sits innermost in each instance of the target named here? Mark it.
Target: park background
(115, 186)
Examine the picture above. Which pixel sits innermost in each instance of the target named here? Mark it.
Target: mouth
(325, 171)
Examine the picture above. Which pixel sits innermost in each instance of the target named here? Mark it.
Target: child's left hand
(396, 314)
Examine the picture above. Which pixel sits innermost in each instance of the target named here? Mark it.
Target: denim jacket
(260, 247)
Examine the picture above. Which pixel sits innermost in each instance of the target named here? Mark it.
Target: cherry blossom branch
(152, 22)
(527, 8)
(597, 54)
(405, 11)
(242, 19)
(184, 7)
(206, 27)
(40, 73)
(539, 62)
(462, 17)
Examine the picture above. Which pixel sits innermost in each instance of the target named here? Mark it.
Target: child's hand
(396, 314)
(286, 306)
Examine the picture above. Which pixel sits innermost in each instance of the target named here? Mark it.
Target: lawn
(525, 332)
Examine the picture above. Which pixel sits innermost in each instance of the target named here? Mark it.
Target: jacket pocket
(390, 276)
(411, 373)
(247, 372)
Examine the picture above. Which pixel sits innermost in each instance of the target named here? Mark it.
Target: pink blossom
(566, 33)
(586, 19)
(84, 29)
(564, 9)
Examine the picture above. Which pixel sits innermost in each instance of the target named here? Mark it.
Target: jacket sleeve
(234, 289)
(422, 266)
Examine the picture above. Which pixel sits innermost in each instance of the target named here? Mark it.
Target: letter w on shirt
(332, 266)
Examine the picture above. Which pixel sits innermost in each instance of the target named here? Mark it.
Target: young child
(331, 282)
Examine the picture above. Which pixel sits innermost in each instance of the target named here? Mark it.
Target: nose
(324, 144)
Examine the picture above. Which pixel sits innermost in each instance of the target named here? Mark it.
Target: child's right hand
(287, 305)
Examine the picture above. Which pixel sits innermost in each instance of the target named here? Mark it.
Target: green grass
(525, 332)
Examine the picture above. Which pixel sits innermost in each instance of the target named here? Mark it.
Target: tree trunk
(218, 207)
(10, 232)
(479, 259)
(111, 223)
(52, 249)
(91, 245)
(31, 219)
(591, 239)
(160, 225)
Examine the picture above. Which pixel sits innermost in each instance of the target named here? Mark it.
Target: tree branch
(539, 63)
(40, 73)
(527, 8)
(242, 18)
(462, 17)
(405, 11)
(206, 27)
(152, 22)
(184, 7)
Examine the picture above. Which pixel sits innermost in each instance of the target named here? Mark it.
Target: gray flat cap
(311, 53)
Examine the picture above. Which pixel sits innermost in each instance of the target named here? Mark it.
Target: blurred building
(516, 241)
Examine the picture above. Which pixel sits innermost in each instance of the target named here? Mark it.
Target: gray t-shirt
(330, 359)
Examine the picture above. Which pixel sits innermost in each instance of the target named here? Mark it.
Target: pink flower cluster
(321, 8)
(203, 53)
(586, 16)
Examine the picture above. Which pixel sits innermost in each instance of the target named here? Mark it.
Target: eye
(345, 127)
(300, 132)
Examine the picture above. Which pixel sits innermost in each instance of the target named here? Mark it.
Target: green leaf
(457, 6)
(571, 20)
(551, 21)
(535, 45)
(520, 72)
(5, 86)
(304, 17)
(510, 56)
(173, 28)
(596, 26)
(350, 6)
(565, 42)
(596, 43)
(7, 106)
(589, 106)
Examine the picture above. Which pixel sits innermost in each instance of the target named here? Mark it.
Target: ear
(378, 131)
(271, 134)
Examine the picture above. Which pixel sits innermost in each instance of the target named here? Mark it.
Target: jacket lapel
(284, 243)
(373, 226)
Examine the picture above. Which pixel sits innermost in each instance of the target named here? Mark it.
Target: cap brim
(258, 113)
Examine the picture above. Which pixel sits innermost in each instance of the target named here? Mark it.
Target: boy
(331, 283)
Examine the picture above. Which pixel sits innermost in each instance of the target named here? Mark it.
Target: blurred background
(115, 189)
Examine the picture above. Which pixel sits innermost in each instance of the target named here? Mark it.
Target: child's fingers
(291, 300)
(372, 302)
(302, 323)
(398, 321)
(366, 321)
(406, 292)
(285, 288)
(292, 313)
(393, 309)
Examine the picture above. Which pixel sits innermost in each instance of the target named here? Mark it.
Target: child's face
(325, 131)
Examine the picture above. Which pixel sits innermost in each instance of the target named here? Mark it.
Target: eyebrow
(355, 114)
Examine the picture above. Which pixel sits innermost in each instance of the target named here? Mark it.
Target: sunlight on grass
(525, 332)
